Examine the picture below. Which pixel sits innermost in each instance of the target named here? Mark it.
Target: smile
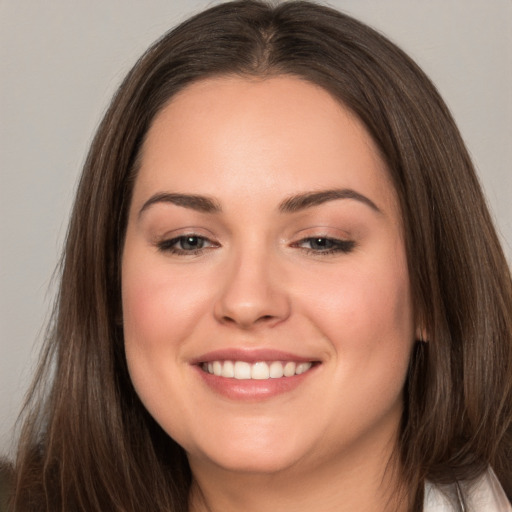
(261, 370)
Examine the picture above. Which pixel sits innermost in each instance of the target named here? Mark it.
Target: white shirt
(481, 495)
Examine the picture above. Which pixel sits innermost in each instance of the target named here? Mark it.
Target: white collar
(484, 494)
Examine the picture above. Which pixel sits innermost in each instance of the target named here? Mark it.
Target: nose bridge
(251, 292)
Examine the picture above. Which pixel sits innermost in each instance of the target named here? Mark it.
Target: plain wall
(62, 60)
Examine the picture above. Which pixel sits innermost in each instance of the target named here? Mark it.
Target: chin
(252, 461)
(252, 451)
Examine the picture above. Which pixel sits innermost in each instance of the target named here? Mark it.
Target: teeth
(302, 367)
(261, 370)
(242, 370)
(228, 369)
(217, 368)
(276, 370)
(289, 369)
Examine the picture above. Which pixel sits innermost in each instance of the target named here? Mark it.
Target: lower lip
(253, 389)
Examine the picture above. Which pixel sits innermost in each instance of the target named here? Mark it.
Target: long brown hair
(87, 443)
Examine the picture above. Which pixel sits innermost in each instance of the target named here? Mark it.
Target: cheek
(159, 313)
(145, 323)
(369, 323)
(366, 312)
(159, 306)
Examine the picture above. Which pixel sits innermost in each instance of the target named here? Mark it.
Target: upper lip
(250, 356)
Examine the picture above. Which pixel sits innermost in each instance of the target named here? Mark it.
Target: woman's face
(266, 300)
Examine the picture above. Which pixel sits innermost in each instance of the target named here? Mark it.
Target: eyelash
(335, 245)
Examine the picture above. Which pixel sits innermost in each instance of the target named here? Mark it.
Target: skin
(249, 145)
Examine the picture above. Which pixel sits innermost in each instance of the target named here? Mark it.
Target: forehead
(282, 135)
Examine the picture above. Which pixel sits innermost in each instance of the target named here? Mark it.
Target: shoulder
(484, 494)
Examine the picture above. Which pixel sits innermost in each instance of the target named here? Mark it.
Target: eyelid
(338, 241)
(328, 230)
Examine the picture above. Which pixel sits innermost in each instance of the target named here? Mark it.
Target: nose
(252, 294)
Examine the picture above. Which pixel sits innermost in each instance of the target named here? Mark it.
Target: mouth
(259, 370)
(254, 375)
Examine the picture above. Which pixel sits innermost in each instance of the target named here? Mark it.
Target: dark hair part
(89, 444)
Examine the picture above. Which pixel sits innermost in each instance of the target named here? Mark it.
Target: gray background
(62, 60)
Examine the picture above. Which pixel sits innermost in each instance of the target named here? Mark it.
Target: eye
(325, 245)
(189, 244)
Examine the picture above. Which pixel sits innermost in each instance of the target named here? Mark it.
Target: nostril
(263, 318)
(248, 321)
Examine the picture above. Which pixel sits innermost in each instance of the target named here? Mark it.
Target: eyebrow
(292, 204)
(309, 199)
(201, 204)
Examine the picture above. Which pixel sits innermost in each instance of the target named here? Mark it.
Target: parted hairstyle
(87, 443)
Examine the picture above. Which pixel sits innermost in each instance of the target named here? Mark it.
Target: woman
(281, 287)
